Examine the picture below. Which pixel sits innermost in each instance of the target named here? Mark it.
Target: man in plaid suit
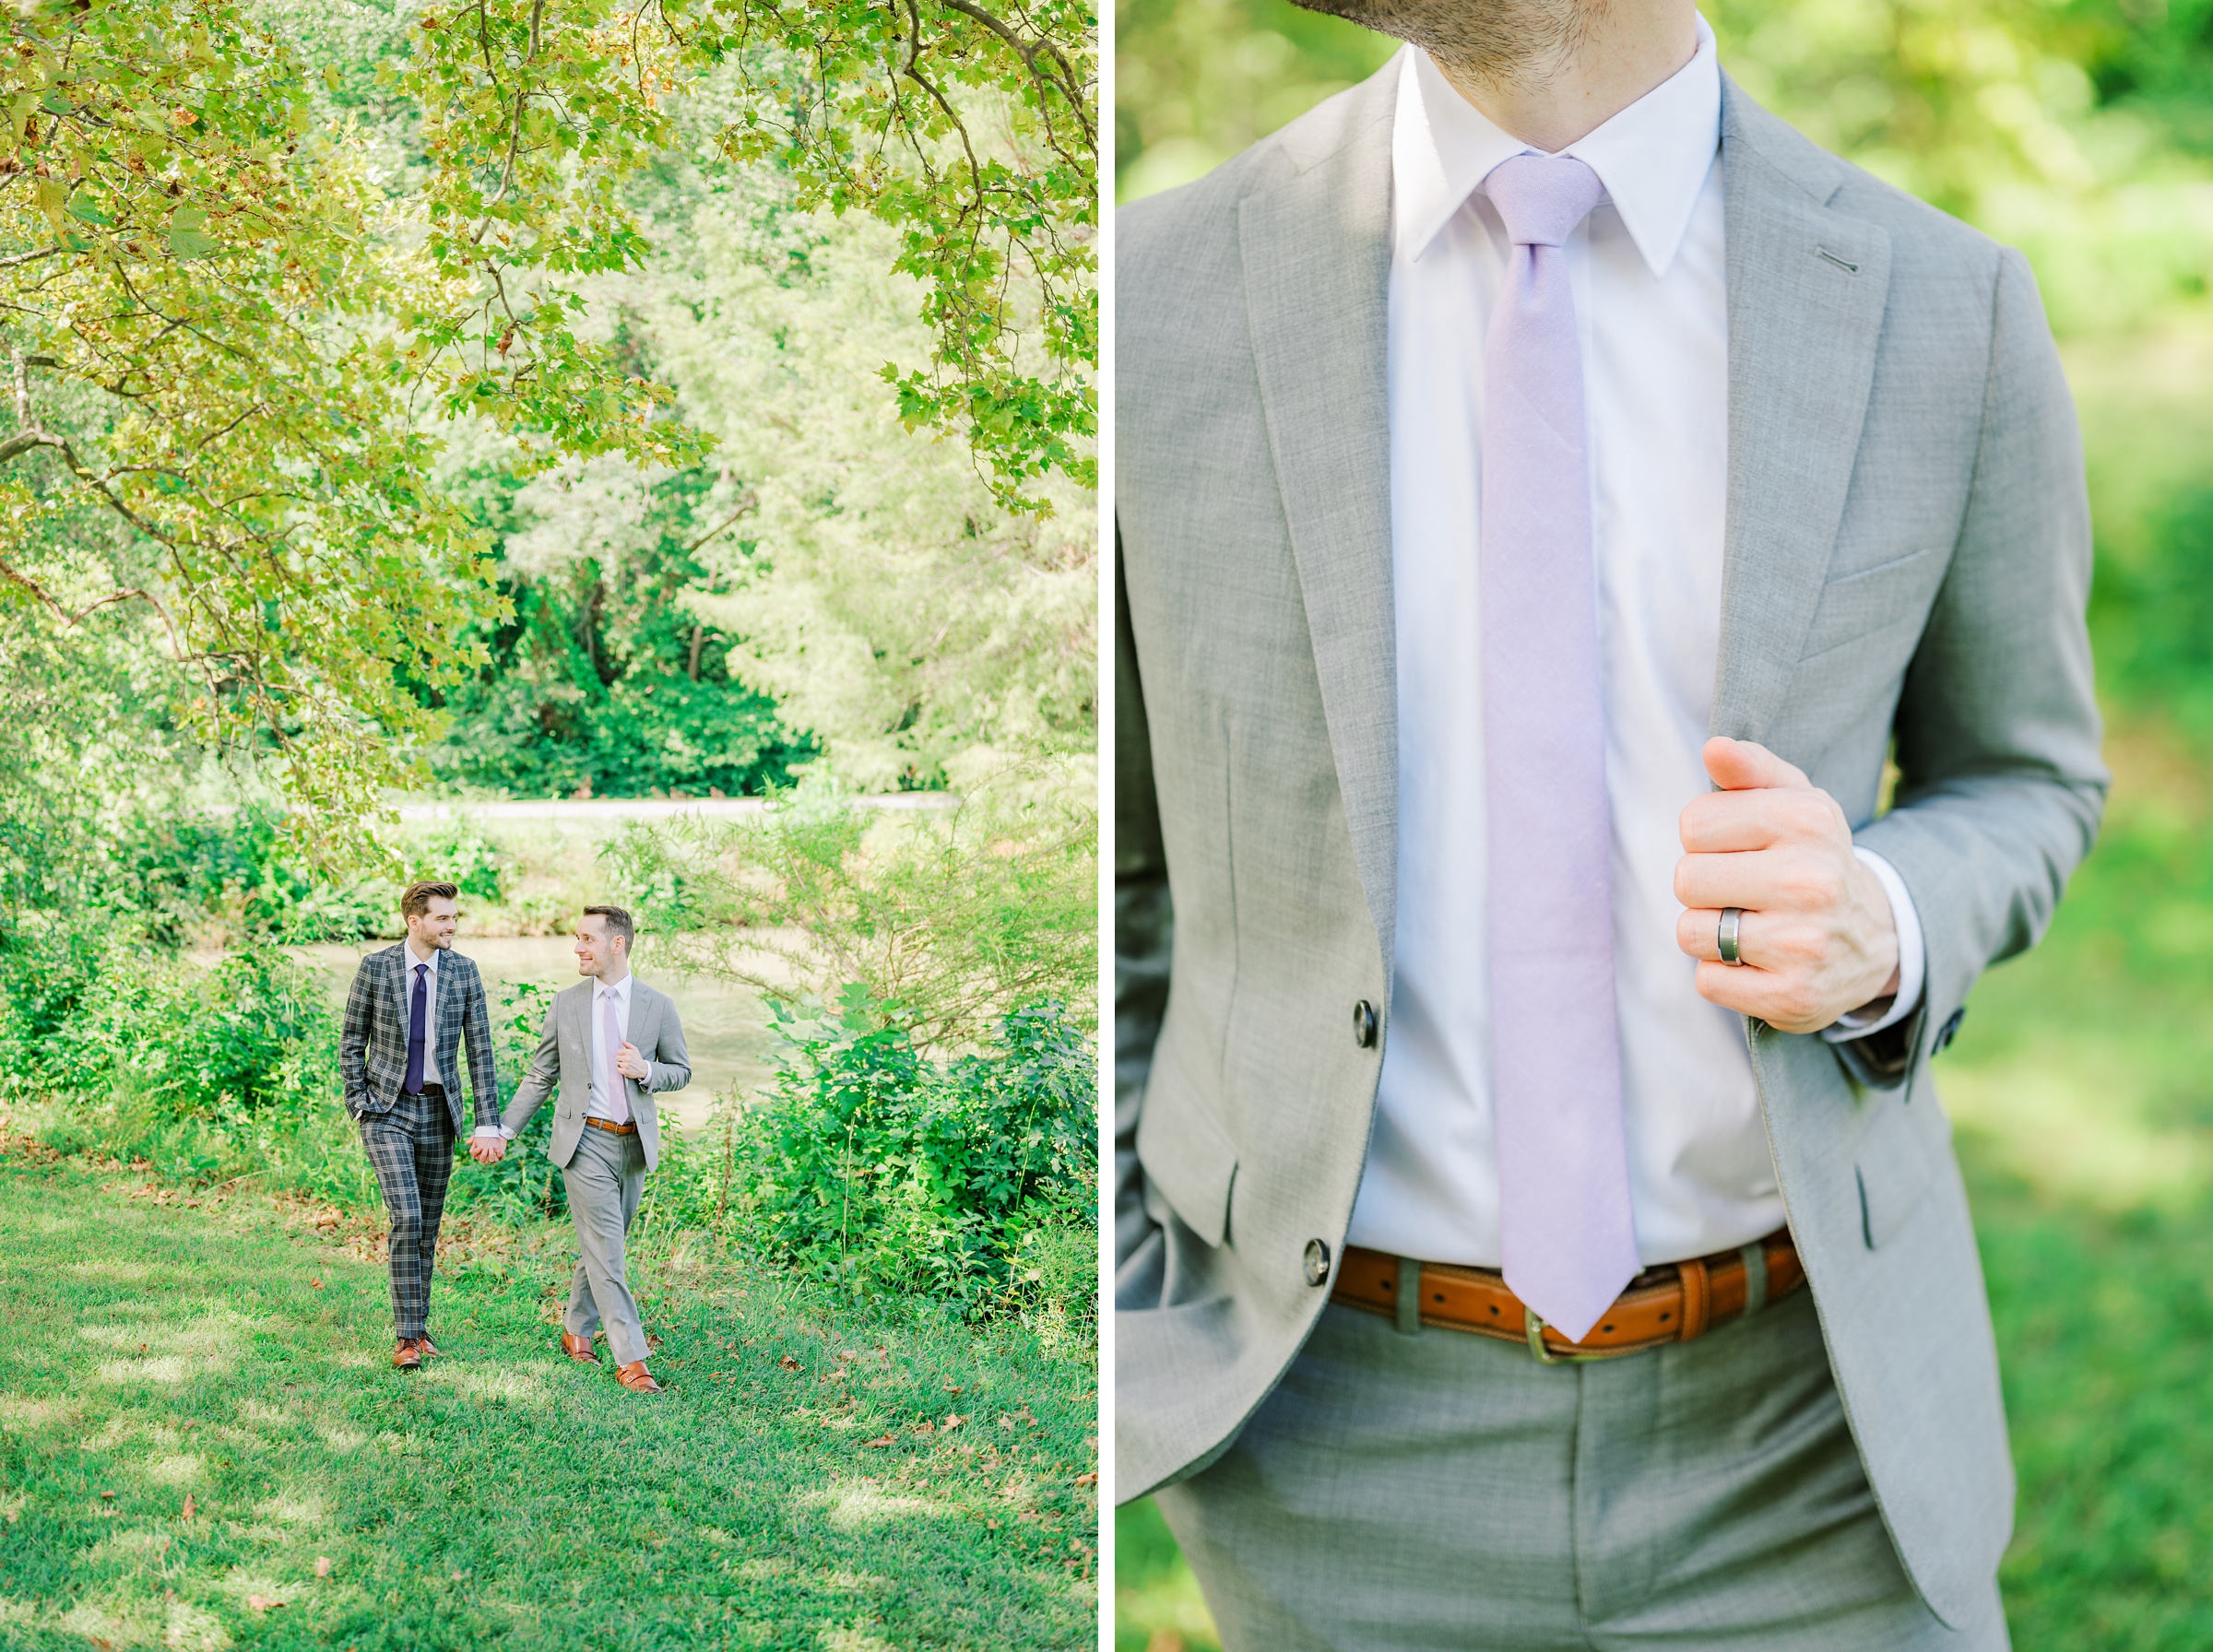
(410, 1010)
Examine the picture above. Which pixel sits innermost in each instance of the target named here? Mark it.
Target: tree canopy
(284, 283)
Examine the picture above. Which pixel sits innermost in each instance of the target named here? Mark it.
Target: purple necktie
(611, 1034)
(418, 1006)
(1567, 1242)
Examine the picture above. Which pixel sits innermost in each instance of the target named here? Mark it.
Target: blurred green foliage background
(2081, 1085)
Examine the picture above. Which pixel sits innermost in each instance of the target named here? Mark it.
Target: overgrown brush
(871, 1165)
(879, 1169)
(957, 914)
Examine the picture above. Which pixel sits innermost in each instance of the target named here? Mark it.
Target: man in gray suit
(611, 1043)
(407, 1015)
(1547, 488)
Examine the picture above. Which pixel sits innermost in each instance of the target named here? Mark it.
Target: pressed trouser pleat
(605, 1180)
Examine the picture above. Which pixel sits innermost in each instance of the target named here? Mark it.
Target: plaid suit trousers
(413, 1151)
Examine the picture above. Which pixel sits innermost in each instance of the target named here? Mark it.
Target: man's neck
(421, 953)
(615, 976)
(1571, 92)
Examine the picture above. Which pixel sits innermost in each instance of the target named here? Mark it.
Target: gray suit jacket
(372, 1039)
(565, 1057)
(1907, 560)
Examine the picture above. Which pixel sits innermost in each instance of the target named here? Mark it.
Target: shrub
(255, 1031)
(871, 1165)
(48, 966)
(455, 849)
(959, 914)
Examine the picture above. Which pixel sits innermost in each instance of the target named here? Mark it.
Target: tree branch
(1065, 81)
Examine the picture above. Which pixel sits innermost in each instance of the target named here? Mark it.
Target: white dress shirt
(430, 1009)
(1648, 274)
(601, 1103)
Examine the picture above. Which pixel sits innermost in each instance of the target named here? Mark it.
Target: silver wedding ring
(1725, 937)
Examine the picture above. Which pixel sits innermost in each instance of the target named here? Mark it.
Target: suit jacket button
(1317, 1262)
(1364, 1024)
(1950, 1031)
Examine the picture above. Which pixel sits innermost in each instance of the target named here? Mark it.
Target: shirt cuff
(1911, 962)
(502, 1131)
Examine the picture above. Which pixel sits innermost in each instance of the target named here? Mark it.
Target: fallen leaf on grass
(107, 1496)
(925, 1428)
(789, 1363)
(262, 1603)
(189, 1505)
(314, 1284)
(952, 1387)
(1088, 1480)
(886, 1440)
(953, 1421)
(321, 1565)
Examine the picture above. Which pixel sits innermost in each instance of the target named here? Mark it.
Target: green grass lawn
(2082, 1089)
(804, 1482)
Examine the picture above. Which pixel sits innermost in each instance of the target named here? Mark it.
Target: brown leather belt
(622, 1129)
(1672, 1303)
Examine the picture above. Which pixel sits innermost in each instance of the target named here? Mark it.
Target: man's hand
(632, 1065)
(1817, 938)
(487, 1150)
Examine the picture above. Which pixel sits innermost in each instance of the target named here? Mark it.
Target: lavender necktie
(418, 1033)
(618, 1095)
(1565, 1232)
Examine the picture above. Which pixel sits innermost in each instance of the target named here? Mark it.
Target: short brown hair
(416, 899)
(617, 922)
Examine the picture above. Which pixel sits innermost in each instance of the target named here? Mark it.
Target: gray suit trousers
(1445, 1490)
(605, 1180)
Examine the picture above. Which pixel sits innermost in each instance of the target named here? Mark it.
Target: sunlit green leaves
(976, 137)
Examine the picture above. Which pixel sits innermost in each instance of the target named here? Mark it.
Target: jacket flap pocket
(1894, 1165)
(1188, 1158)
(1854, 603)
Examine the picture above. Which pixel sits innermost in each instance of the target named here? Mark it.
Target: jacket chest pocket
(1855, 604)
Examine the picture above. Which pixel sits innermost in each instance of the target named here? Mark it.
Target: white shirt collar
(412, 962)
(621, 989)
(1652, 157)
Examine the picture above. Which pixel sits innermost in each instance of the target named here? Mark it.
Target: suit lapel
(396, 987)
(449, 1002)
(643, 1016)
(1802, 332)
(1316, 250)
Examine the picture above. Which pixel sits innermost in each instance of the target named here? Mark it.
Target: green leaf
(187, 236)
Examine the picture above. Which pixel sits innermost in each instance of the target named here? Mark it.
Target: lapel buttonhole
(1845, 264)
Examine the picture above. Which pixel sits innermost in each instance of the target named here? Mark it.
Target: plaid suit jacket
(372, 1044)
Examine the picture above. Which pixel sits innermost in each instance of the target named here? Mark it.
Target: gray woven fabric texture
(605, 1178)
(1445, 1490)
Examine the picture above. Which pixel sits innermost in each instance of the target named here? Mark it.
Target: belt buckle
(1535, 1327)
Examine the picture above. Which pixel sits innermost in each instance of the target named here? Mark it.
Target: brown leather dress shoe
(408, 1356)
(636, 1379)
(429, 1349)
(578, 1348)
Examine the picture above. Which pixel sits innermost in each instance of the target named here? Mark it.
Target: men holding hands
(610, 1043)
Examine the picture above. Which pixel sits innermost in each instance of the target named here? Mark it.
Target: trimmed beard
(1488, 42)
